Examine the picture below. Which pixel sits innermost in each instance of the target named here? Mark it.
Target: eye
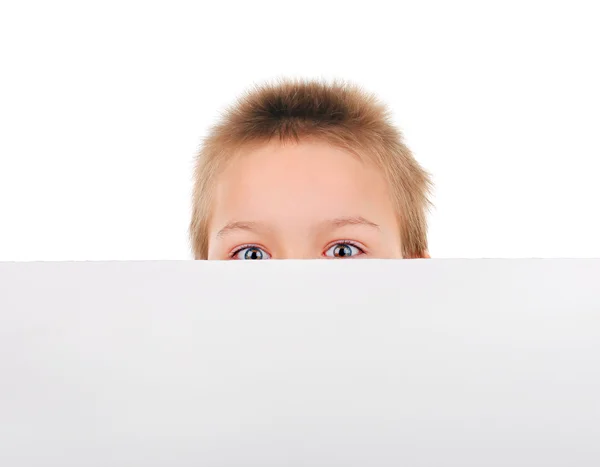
(344, 250)
(250, 252)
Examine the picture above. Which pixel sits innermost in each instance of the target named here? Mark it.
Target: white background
(103, 106)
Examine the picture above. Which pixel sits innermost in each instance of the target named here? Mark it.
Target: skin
(302, 201)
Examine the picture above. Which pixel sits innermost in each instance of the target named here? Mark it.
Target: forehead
(303, 182)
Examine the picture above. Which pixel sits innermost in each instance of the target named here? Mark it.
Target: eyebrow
(344, 221)
(240, 225)
(337, 223)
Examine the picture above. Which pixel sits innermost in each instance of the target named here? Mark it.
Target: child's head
(304, 169)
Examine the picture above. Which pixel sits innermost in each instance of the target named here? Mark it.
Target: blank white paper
(300, 363)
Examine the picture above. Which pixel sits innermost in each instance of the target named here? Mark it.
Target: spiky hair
(340, 113)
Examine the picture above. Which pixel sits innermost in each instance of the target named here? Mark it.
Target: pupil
(342, 251)
(253, 253)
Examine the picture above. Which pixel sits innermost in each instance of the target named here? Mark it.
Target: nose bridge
(298, 251)
(299, 255)
(297, 245)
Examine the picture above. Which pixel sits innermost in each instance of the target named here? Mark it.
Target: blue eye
(250, 253)
(343, 250)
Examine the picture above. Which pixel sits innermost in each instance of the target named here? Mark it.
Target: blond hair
(341, 114)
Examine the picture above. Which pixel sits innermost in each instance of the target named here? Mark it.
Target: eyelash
(339, 242)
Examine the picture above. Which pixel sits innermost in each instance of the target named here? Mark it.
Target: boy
(302, 170)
